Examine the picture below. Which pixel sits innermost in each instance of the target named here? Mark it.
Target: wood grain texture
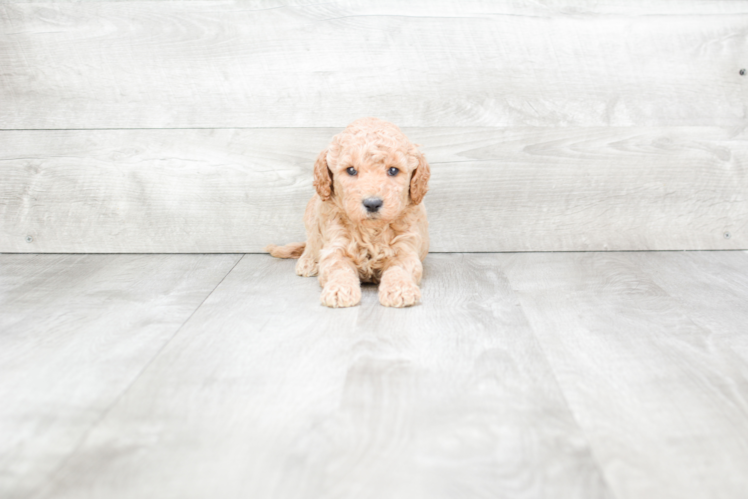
(266, 393)
(656, 381)
(422, 63)
(75, 331)
(715, 298)
(492, 189)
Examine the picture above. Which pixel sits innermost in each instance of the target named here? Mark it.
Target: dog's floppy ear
(322, 177)
(419, 180)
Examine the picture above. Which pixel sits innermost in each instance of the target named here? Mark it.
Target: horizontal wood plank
(492, 189)
(75, 332)
(265, 393)
(424, 63)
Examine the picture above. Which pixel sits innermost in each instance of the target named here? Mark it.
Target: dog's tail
(290, 251)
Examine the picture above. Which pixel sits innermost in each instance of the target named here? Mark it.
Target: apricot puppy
(366, 221)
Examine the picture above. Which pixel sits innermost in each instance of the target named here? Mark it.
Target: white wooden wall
(192, 126)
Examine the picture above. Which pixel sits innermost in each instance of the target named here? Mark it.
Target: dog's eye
(351, 171)
(392, 171)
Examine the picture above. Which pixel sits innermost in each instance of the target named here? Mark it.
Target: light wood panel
(656, 382)
(266, 393)
(492, 189)
(75, 332)
(422, 63)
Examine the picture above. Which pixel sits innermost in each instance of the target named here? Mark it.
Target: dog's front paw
(306, 267)
(340, 295)
(399, 293)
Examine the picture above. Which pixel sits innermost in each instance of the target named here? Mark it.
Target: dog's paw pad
(340, 295)
(401, 295)
(306, 267)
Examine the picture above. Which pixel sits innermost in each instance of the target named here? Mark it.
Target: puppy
(366, 221)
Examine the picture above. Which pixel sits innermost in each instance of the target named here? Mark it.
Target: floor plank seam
(444, 253)
(561, 391)
(40, 489)
(341, 125)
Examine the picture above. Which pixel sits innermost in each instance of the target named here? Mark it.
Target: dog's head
(372, 171)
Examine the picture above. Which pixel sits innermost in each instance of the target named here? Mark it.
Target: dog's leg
(399, 284)
(339, 279)
(307, 264)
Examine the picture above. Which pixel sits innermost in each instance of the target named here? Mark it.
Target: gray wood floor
(521, 375)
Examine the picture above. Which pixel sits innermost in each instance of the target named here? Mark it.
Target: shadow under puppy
(366, 221)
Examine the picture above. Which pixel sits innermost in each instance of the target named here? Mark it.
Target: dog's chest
(370, 258)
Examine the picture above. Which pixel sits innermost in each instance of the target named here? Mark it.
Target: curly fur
(345, 243)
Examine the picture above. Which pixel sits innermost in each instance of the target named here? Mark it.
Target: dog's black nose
(373, 204)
